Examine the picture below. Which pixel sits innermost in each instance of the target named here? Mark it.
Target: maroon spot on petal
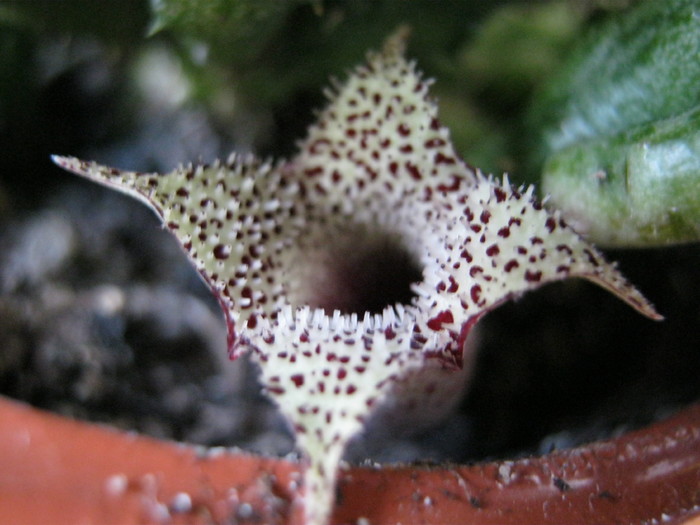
(510, 265)
(536, 240)
(504, 232)
(500, 194)
(444, 317)
(453, 285)
(413, 171)
(493, 250)
(485, 216)
(298, 380)
(407, 148)
(454, 186)
(403, 130)
(563, 268)
(393, 168)
(351, 389)
(475, 293)
(252, 321)
(221, 251)
(389, 333)
(316, 145)
(475, 270)
(360, 369)
(564, 248)
(314, 172)
(533, 277)
(342, 373)
(466, 255)
(182, 192)
(591, 257)
(434, 143)
(550, 224)
(441, 158)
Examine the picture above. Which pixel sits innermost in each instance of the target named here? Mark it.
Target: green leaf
(617, 128)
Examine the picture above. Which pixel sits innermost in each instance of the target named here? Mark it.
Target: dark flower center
(365, 272)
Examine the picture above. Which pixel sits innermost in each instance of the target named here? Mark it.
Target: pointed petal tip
(627, 293)
(395, 44)
(650, 311)
(60, 160)
(69, 163)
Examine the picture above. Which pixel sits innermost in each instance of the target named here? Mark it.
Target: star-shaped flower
(355, 271)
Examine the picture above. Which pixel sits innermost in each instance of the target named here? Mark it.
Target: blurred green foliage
(258, 67)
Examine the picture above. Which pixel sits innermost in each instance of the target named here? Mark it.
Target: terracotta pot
(60, 471)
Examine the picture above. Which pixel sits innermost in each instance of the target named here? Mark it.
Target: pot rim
(65, 471)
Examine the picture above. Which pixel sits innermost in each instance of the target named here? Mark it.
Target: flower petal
(380, 138)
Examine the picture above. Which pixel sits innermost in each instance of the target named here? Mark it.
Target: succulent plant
(355, 271)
